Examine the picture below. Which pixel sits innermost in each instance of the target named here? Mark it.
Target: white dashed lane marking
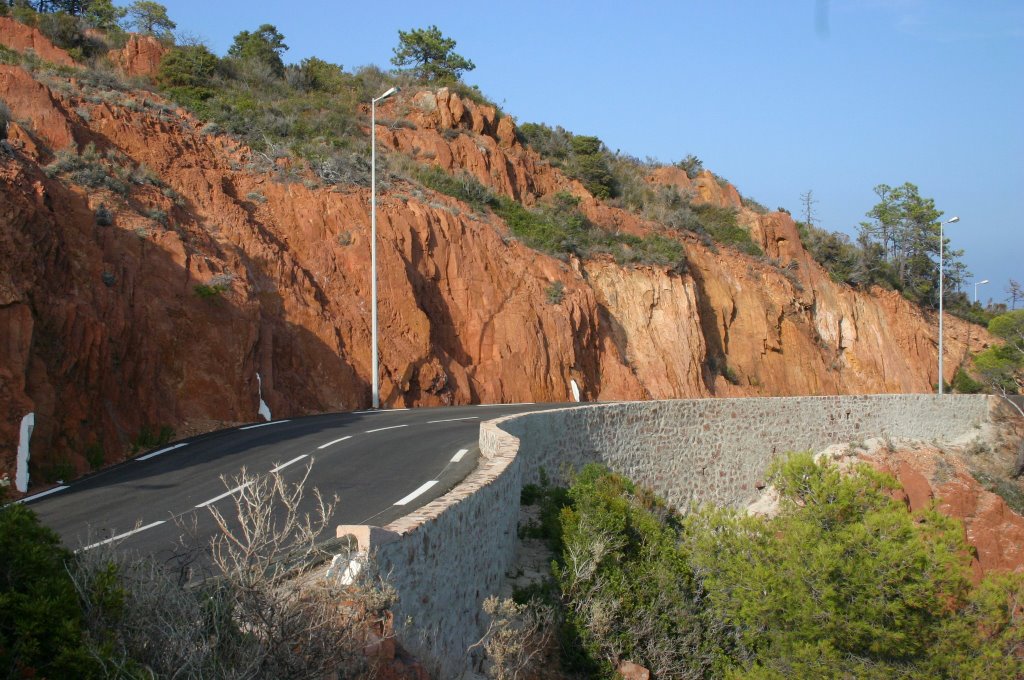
(224, 495)
(452, 420)
(157, 453)
(29, 499)
(124, 535)
(418, 492)
(381, 429)
(331, 443)
(458, 456)
(272, 422)
(293, 460)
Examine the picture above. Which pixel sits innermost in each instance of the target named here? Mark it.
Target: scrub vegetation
(255, 610)
(843, 582)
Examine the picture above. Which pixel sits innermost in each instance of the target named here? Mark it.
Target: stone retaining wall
(445, 558)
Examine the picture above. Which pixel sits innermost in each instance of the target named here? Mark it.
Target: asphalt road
(379, 463)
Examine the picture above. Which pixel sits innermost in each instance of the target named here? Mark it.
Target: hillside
(159, 275)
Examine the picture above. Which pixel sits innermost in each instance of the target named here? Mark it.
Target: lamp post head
(953, 219)
(393, 90)
(981, 282)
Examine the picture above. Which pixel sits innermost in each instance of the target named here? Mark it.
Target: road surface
(381, 464)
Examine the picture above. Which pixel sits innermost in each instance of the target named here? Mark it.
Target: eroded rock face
(140, 56)
(21, 38)
(106, 334)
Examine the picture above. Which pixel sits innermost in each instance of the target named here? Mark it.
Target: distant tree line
(62, 17)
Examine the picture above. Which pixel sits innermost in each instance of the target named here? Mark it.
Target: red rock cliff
(105, 332)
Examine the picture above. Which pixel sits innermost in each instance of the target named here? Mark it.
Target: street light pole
(373, 241)
(951, 220)
(976, 284)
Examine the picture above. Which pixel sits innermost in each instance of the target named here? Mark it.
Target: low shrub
(86, 169)
(965, 384)
(721, 225)
(555, 293)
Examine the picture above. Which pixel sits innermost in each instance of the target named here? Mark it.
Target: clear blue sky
(778, 97)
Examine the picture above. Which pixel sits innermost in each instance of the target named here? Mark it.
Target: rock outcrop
(208, 274)
(21, 38)
(140, 56)
(992, 528)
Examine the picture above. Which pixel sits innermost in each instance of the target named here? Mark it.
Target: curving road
(381, 464)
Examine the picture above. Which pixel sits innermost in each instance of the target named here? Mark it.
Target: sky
(782, 97)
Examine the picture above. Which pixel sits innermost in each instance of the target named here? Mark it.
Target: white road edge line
(324, 446)
(223, 495)
(452, 420)
(29, 499)
(416, 493)
(458, 456)
(293, 460)
(157, 453)
(381, 429)
(124, 535)
(272, 422)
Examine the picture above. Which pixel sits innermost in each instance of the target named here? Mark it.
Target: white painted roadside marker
(458, 456)
(324, 446)
(452, 420)
(157, 453)
(29, 499)
(418, 492)
(275, 422)
(224, 495)
(293, 460)
(28, 423)
(263, 410)
(381, 429)
(124, 535)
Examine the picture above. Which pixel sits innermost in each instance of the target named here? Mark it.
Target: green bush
(207, 292)
(844, 582)
(68, 33)
(149, 438)
(59, 469)
(190, 66)
(721, 225)
(691, 165)
(94, 455)
(555, 292)
(965, 384)
(463, 186)
(40, 615)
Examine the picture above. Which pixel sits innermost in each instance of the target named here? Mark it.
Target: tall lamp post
(951, 220)
(373, 238)
(976, 284)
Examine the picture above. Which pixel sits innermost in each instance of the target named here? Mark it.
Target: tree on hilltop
(1014, 293)
(430, 56)
(104, 15)
(905, 227)
(150, 18)
(264, 45)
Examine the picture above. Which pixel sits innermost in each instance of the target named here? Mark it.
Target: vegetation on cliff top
(844, 582)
